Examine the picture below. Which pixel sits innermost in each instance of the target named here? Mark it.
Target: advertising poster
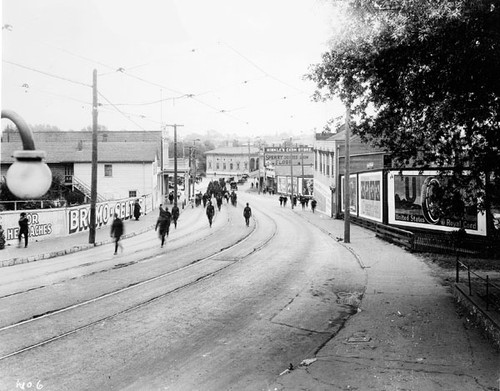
(282, 185)
(60, 222)
(285, 185)
(43, 224)
(353, 193)
(308, 186)
(410, 204)
(370, 196)
(79, 217)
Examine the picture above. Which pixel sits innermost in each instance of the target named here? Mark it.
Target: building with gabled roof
(126, 168)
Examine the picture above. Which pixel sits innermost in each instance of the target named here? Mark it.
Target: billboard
(284, 185)
(370, 196)
(410, 204)
(280, 156)
(353, 191)
(60, 222)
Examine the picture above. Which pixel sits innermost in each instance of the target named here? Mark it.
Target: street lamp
(28, 177)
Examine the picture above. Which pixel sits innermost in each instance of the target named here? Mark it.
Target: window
(132, 193)
(231, 166)
(224, 166)
(108, 170)
(217, 166)
(210, 165)
(238, 166)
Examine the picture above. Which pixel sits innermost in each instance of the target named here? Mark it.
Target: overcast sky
(229, 65)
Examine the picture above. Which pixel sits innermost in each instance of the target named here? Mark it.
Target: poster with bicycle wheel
(411, 201)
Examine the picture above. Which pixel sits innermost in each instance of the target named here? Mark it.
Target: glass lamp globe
(29, 177)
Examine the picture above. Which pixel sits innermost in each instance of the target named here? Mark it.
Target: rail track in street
(50, 326)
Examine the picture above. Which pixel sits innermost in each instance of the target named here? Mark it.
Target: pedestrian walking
(281, 200)
(23, 229)
(210, 212)
(313, 204)
(117, 232)
(175, 214)
(163, 225)
(247, 213)
(137, 210)
(285, 199)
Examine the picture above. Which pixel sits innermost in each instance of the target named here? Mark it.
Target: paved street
(231, 307)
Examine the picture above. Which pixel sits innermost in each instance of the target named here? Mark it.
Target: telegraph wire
(141, 116)
(121, 112)
(260, 68)
(181, 94)
(122, 70)
(29, 88)
(47, 74)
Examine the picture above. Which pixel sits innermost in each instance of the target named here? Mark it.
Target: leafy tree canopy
(421, 77)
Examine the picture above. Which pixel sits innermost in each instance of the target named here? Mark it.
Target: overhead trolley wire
(260, 68)
(121, 112)
(47, 73)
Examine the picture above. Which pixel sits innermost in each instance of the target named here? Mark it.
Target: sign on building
(410, 204)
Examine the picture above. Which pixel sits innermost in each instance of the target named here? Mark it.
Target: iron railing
(480, 286)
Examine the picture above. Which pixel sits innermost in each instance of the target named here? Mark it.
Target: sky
(233, 66)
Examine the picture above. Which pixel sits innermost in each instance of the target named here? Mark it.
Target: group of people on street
(164, 220)
(304, 201)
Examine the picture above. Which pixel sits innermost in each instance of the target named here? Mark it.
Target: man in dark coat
(210, 212)
(23, 229)
(313, 204)
(247, 213)
(137, 209)
(163, 223)
(117, 232)
(175, 214)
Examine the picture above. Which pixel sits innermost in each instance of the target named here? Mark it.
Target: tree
(422, 79)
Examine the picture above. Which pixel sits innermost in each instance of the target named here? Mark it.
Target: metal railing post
(468, 274)
(487, 292)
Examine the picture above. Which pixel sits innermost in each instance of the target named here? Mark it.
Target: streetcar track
(135, 285)
(129, 286)
(113, 267)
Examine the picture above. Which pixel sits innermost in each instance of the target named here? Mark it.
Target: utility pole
(302, 179)
(291, 171)
(264, 164)
(175, 161)
(93, 180)
(249, 158)
(194, 164)
(189, 178)
(347, 202)
(260, 167)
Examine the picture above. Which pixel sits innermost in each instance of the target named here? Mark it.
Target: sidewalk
(406, 335)
(50, 248)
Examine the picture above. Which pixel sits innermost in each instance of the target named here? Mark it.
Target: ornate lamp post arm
(28, 177)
